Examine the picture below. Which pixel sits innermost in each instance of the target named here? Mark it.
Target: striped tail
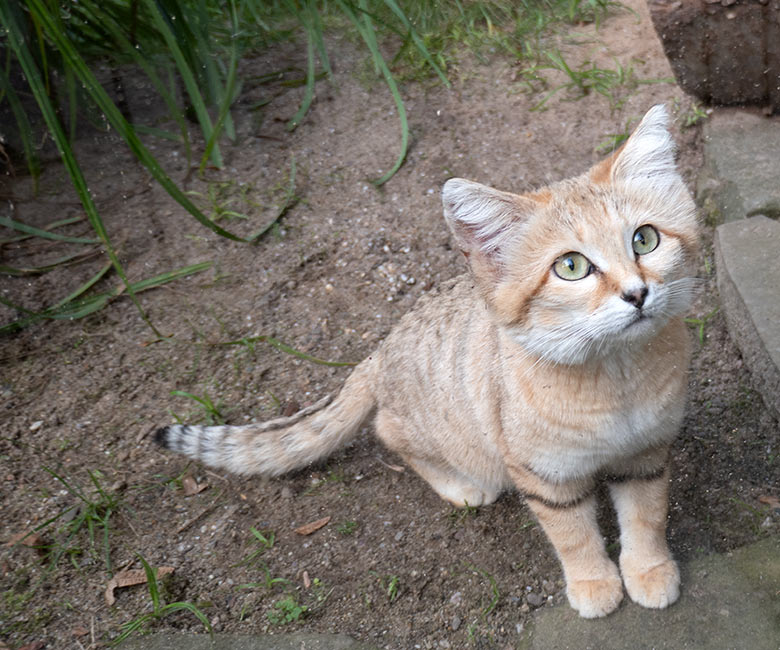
(284, 444)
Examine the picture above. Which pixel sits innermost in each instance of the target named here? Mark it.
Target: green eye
(645, 240)
(572, 266)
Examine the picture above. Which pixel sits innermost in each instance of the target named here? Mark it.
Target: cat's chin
(625, 339)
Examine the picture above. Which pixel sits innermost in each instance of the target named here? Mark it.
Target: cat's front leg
(567, 513)
(650, 573)
(593, 583)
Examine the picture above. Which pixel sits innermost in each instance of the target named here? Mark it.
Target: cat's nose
(635, 297)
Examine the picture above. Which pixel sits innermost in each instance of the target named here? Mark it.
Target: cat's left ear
(647, 157)
(484, 222)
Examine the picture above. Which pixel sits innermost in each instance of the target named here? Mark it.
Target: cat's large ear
(647, 157)
(484, 222)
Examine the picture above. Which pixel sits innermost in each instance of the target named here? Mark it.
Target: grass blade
(308, 94)
(45, 234)
(418, 42)
(151, 581)
(72, 308)
(228, 95)
(189, 607)
(288, 350)
(367, 34)
(288, 203)
(198, 104)
(170, 276)
(24, 128)
(74, 258)
(51, 226)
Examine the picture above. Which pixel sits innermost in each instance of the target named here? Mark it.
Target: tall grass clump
(62, 64)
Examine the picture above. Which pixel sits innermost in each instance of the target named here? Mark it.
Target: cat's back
(445, 344)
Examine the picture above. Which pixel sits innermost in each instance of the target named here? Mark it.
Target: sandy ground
(395, 565)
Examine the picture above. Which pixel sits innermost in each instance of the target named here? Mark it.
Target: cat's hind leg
(449, 483)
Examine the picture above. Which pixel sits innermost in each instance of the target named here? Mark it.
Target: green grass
(189, 50)
(613, 141)
(700, 323)
(495, 595)
(160, 609)
(614, 84)
(287, 610)
(82, 301)
(93, 512)
(264, 541)
(212, 413)
(347, 528)
(460, 515)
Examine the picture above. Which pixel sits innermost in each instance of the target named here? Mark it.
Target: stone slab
(728, 602)
(242, 642)
(741, 173)
(746, 259)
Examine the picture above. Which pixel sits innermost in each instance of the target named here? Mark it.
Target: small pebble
(534, 599)
(455, 623)
(36, 425)
(456, 598)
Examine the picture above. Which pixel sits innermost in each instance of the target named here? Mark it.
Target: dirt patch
(394, 565)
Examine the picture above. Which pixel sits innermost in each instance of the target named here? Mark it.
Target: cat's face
(587, 265)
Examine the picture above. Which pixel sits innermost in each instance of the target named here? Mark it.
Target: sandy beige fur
(513, 377)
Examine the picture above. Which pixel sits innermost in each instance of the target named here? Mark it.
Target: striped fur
(513, 377)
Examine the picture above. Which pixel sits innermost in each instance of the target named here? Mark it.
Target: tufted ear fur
(484, 221)
(646, 160)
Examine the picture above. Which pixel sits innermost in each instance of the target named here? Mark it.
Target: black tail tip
(161, 437)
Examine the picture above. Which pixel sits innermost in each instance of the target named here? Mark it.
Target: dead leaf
(191, 486)
(26, 538)
(79, 630)
(290, 409)
(131, 577)
(306, 580)
(35, 645)
(308, 529)
(769, 500)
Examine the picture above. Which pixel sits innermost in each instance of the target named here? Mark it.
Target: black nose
(636, 297)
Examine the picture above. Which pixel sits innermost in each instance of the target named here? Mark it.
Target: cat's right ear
(484, 222)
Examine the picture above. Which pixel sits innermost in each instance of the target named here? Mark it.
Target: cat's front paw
(595, 598)
(657, 587)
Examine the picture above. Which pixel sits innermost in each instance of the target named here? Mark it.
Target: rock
(455, 623)
(535, 600)
(722, 52)
(741, 167)
(745, 257)
(727, 601)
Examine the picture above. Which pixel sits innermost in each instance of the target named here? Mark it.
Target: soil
(395, 565)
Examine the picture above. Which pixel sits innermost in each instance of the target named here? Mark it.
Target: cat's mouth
(640, 318)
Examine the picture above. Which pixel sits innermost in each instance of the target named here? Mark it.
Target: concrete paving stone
(741, 173)
(302, 641)
(728, 602)
(746, 259)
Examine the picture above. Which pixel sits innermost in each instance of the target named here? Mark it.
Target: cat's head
(582, 266)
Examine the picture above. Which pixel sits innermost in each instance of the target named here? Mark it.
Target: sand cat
(558, 362)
